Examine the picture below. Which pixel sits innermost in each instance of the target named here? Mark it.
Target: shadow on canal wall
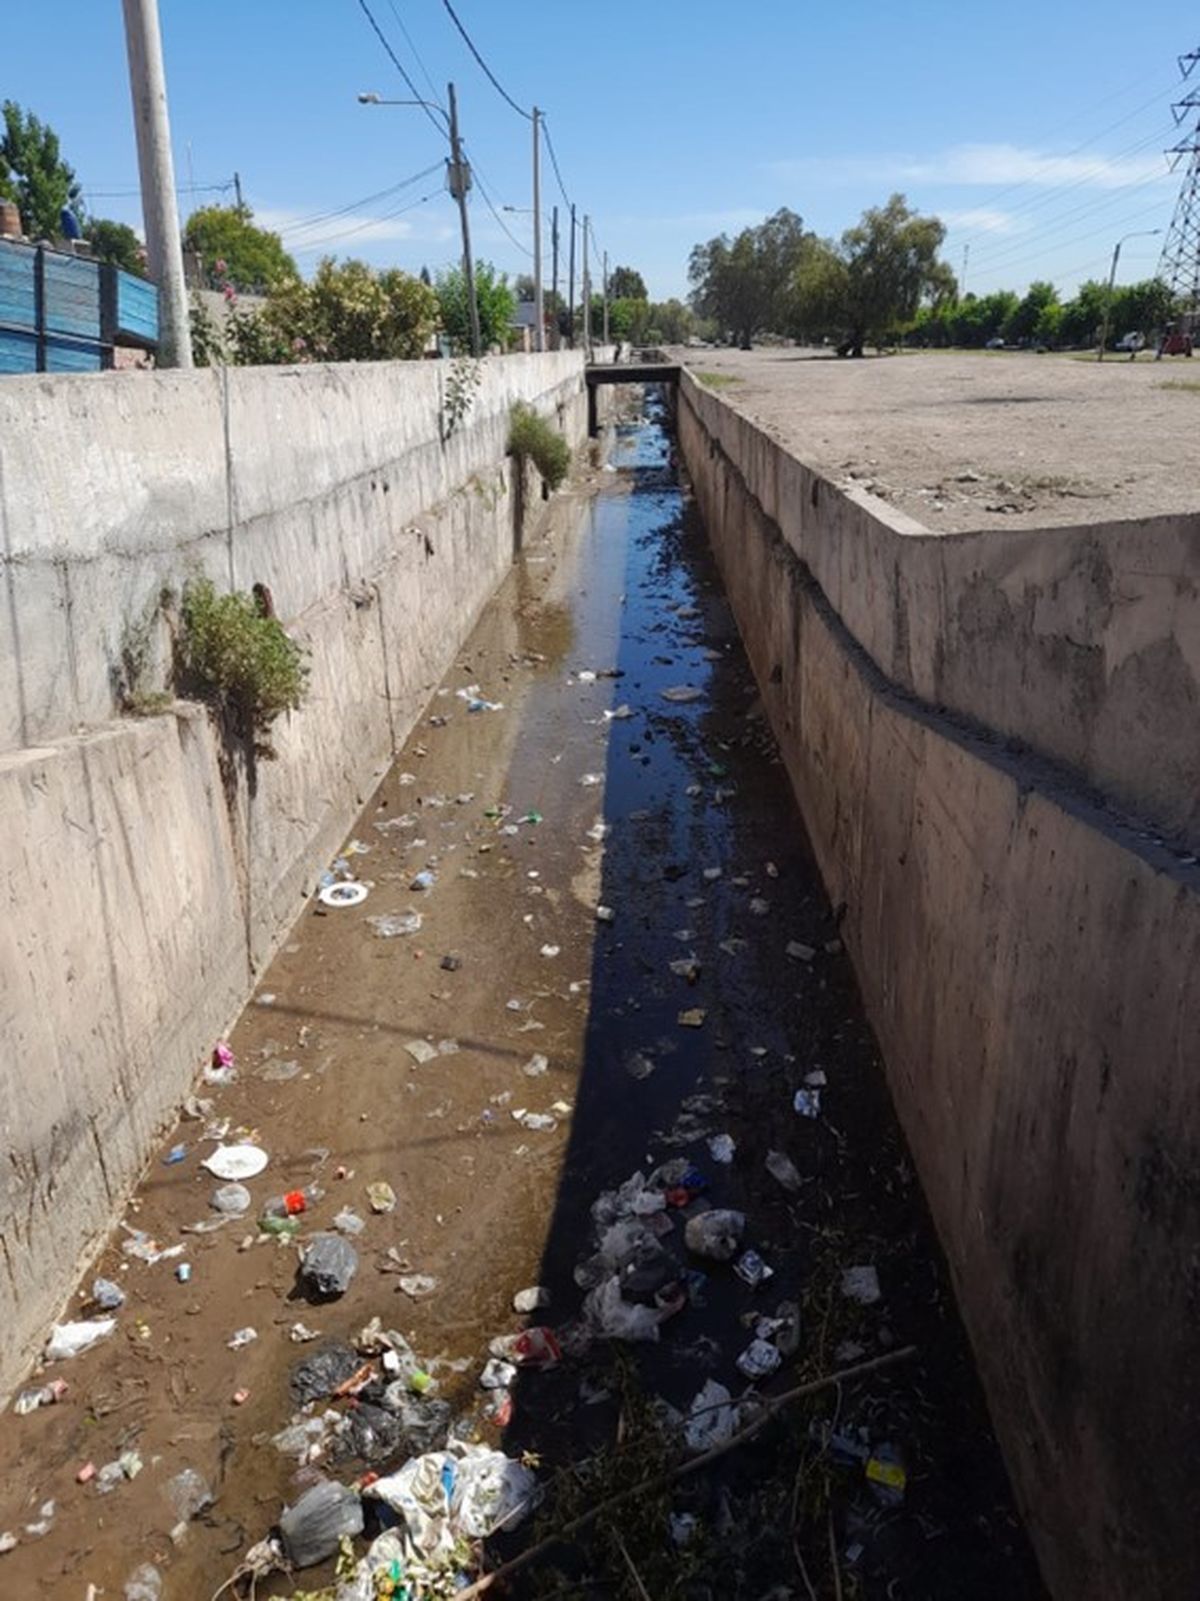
(1029, 961)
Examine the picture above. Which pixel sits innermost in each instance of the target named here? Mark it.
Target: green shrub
(531, 436)
(240, 657)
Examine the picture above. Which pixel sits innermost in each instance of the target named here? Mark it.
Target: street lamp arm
(371, 99)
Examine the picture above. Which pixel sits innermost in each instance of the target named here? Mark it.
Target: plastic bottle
(293, 1203)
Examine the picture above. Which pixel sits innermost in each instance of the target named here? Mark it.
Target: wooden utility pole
(556, 341)
(571, 283)
(539, 310)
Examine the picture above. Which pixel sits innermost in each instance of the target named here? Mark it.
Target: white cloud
(339, 234)
(980, 164)
(981, 219)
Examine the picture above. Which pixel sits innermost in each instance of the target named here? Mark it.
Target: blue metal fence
(64, 313)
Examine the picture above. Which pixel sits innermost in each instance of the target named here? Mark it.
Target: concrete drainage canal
(582, 1182)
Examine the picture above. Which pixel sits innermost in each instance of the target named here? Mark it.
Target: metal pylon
(1179, 267)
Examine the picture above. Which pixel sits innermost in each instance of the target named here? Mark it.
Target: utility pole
(539, 313)
(586, 291)
(557, 340)
(460, 182)
(605, 283)
(237, 189)
(160, 213)
(962, 283)
(571, 283)
(1142, 233)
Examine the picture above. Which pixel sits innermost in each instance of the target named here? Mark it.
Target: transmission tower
(1180, 265)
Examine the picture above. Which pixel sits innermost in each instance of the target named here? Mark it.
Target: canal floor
(617, 759)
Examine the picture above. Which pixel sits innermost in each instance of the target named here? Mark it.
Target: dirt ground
(962, 441)
(713, 993)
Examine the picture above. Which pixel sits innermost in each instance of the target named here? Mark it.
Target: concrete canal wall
(147, 875)
(985, 733)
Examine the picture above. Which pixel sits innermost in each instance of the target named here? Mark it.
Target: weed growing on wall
(531, 437)
(462, 380)
(239, 657)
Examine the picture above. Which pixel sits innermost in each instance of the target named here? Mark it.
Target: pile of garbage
(636, 1279)
(374, 1403)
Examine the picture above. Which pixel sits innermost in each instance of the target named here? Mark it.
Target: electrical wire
(1014, 269)
(320, 218)
(180, 189)
(399, 66)
(487, 200)
(408, 39)
(490, 75)
(554, 163)
(371, 222)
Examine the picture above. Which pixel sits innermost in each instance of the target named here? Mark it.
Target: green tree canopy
(495, 299)
(34, 174)
(626, 284)
(1036, 316)
(742, 283)
(233, 250)
(872, 283)
(671, 322)
(117, 243)
(346, 312)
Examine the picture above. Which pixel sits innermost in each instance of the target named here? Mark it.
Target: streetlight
(459, 181)
(1142, 233)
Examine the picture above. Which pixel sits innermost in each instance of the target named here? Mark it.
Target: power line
(487, 199)
(554, 163)
(399, 66)
(491, 76)
(320, 218)
(1108, 228)
(408, 39)
(371, 222)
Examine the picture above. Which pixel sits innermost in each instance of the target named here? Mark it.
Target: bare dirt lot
(964, 441)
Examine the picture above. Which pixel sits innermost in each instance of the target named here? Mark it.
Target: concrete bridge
(598, 373)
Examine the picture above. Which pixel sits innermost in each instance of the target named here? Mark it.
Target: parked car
(995, 344)
(1131, 342)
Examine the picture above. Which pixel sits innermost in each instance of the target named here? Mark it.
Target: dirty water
(709, 993)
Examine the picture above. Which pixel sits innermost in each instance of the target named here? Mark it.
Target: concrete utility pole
(571, 283)
(1142, 233)
(586, 290)
(557, 339)
(605, 283)
(539, 338)
(160, 212)
(237, 189)
(460, 182)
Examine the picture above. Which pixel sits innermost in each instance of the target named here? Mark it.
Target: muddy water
(677, 817)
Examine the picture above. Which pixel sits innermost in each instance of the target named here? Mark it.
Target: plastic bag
(715, 1234)
(188, 1493)
(612, 1316)
(69, 1339)
(321, 1373)
(784, 1171)
(144, 1584)
(329, 1264)
(711, 1418)
(312, 1528)
(463, 1491)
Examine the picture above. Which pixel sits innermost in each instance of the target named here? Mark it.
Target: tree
(33, 173)
(1144, 308)
(495, 299)
(671, 322)
(626, 284)
(117, 243)
(234, 251)
(742, 283)
(1034, 315)
(871, 284)
(347, 312)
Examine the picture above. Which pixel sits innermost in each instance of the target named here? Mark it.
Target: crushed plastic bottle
(784, 1171)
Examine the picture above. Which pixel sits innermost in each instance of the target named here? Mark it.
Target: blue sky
(1035, 131)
